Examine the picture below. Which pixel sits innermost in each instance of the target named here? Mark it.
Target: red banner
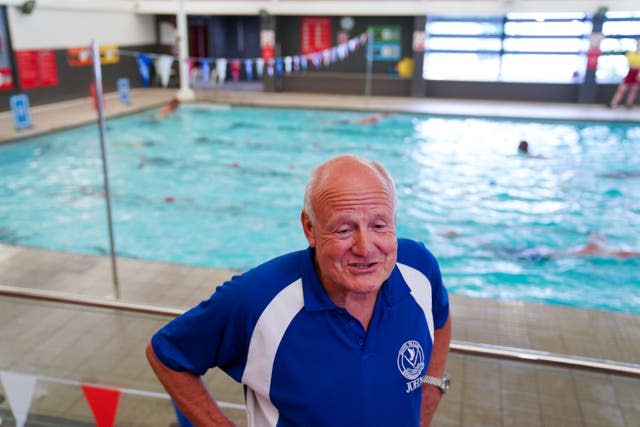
(37, 68)
(315, 35)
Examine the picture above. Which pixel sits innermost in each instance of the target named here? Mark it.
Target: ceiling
(334, 7)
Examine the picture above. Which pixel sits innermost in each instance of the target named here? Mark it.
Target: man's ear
(307, 226)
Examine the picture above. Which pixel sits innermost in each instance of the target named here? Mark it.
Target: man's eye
(343, 230)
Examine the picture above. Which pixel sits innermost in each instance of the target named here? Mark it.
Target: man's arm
(189, 393)
(431, 395)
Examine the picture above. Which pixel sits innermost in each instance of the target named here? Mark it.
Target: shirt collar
(316, 298)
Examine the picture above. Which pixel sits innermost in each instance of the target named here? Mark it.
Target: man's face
(354, 233)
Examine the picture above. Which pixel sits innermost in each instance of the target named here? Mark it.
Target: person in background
(167, 109)
(594, 247)
(352, 331)
(597, 246)
(631, 82)
(523, 150)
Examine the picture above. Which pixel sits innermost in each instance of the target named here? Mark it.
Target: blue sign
(123, 90)
(20, 109)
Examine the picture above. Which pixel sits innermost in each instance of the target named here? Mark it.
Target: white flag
(163, 67)
(221, 68)
(19, 389)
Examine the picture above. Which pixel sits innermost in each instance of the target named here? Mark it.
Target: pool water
(222, 186)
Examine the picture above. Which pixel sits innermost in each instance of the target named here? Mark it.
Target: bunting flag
(103, 403)
(353, 44)
(326, 57)
(163, 68)
(221, 68)
(19, 390)
(315, 59)
(235, 70)
(275, 65)
(270, 67)
(205, 68)
(144, 67)
(259, 67)
(248, 68)
(288, 64)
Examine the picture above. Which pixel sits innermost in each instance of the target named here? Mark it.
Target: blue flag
(144, 67)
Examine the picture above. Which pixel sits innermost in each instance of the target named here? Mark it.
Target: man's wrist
(442, 384)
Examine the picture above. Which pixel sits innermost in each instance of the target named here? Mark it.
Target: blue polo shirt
(305, 361)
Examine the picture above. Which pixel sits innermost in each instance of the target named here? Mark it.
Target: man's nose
(362, 242)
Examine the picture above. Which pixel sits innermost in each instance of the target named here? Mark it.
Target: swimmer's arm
(189, 393)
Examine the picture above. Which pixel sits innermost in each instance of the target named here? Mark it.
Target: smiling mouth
(362, 265)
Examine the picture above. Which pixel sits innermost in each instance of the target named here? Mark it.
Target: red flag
(103, 403)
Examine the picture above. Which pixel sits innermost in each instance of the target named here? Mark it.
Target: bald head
(347, 169)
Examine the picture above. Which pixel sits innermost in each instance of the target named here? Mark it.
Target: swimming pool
(222, 186)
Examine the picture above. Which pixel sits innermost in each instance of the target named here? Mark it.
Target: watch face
(444, 385)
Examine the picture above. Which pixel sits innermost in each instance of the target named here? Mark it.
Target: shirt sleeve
(212, 334)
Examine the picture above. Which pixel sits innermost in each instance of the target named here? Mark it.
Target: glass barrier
(59, 362)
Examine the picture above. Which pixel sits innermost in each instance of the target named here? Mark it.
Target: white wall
(60, 29)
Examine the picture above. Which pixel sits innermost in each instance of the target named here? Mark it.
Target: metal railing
(461, 347)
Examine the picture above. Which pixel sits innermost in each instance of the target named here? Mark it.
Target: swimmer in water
(523, 150)
(595, 247)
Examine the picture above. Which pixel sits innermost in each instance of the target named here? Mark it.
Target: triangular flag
(259, 67)
(103, 403)
(205, 69)
(144, 67)
(163, 67)
(248, 68)
(19, 389)
(270, 67)
(326, 55)
(221, 68)
(288, 64)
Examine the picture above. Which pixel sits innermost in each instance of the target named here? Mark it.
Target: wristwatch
(442, 383)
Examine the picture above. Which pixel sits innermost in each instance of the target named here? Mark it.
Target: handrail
(462, 347)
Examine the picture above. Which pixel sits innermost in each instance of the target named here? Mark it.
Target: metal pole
(367, 82)
(97, 71)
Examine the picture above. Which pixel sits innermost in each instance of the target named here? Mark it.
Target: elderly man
(352, 331)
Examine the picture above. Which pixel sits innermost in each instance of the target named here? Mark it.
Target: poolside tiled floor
(106, 347)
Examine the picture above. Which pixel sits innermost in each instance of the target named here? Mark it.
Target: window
(517, 47)
(620, 31)
(463, 48)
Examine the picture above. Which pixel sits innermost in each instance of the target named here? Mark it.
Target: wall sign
(37, 68)
(20, 110)
(387, 42)
(79, 56)
(315, 34)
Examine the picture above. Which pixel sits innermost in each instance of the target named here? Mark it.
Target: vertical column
(589, 87)
(185, 93)
(418, 85)
(268, 48)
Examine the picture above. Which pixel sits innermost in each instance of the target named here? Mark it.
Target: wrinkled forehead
(353, 173)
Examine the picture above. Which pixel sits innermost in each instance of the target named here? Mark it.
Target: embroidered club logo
(411, 359)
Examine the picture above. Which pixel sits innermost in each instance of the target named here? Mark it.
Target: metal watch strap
(432, 380)
(441, 383)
